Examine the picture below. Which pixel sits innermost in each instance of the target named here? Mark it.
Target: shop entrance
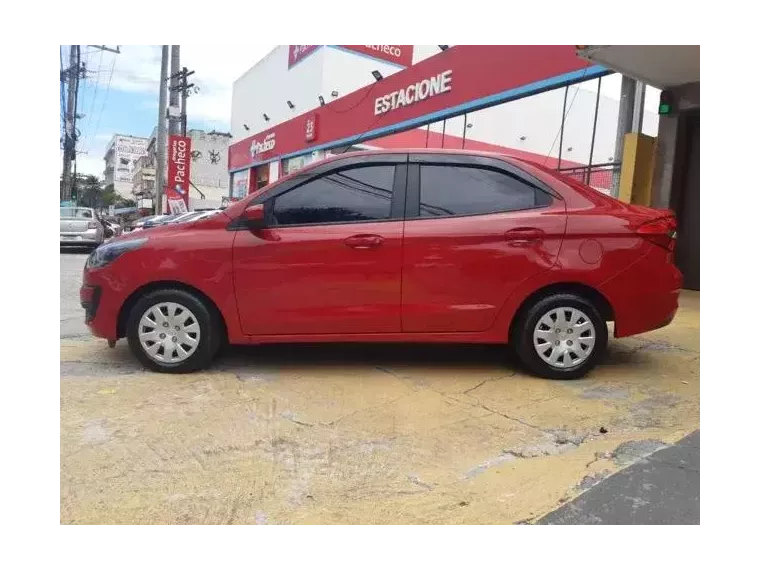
(686, 205)
(262, 176)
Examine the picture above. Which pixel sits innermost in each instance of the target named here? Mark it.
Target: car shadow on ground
(247, 359)
(348, 354)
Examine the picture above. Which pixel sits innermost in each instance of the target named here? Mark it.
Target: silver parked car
(81, 227)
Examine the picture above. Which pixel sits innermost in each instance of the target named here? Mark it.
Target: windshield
(184, 217)
(76, 213)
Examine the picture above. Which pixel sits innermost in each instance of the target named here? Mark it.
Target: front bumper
(89, 298)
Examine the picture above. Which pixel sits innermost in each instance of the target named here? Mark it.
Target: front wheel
(171, 330)
(561, 337)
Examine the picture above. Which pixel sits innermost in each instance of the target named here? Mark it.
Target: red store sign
(311, 128)
(441, 86)
(400, 55)
(178, 186)
(297, 53)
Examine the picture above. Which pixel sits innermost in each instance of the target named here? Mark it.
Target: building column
(665, 160)
(625, 123)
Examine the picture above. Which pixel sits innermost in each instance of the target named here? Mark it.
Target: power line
(105, 100)
(88, 133)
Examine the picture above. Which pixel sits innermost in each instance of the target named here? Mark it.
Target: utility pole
(71, 75)
(174, 119)
(183, 87)
(161, 133)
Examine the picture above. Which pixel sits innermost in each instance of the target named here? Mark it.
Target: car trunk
(74, 225)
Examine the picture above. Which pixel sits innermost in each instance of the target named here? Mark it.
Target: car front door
(476, 228)
(329, 260)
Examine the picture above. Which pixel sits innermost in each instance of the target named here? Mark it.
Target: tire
(198, 336)
(577, 352)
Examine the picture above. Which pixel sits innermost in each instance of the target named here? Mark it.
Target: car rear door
(329, 261)
(476, 228)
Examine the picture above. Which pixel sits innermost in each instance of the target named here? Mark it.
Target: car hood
(219, 220)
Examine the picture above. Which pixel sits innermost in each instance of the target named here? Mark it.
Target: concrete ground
(360, 433)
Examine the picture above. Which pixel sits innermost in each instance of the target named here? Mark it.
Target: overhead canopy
(660, 66)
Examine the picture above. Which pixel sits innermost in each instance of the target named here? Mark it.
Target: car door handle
(363, 241)
(524, 236)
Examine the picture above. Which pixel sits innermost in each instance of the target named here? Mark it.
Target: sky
(120, 92)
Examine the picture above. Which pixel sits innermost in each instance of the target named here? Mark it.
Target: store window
(350, 195)
(290, 165)
(464, 190)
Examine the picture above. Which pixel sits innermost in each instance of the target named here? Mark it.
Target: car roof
(396, 151)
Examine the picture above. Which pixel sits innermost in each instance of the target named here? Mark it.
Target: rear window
(76, 213)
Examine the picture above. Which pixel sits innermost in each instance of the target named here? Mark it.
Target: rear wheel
(171, 330)
(561, 337)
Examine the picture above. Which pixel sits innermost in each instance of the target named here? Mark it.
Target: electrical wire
(88, 133)
(105, 100)
(564, 120)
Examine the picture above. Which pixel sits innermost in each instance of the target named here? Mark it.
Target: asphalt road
(72, 313)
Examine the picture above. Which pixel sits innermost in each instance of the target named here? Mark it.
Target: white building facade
(293, 83)
(209, 178)
(122, 154)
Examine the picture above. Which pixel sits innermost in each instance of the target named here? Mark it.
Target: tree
(90, 189)
(108, 197)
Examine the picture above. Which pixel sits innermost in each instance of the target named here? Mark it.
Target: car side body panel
(600, 250)
(198, 256)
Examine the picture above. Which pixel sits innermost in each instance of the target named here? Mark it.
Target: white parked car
(81, 227)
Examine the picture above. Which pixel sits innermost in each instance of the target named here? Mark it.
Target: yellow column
(637, 169)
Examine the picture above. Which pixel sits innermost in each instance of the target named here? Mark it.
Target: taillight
(92, 226)
(661, 231)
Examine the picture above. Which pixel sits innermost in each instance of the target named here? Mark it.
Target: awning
(660, 63)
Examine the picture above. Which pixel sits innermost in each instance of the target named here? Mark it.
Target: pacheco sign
(297, 53)
(178, 186)
(400, 55)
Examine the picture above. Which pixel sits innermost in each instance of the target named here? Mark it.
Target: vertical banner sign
(311, 128)
(178, 188)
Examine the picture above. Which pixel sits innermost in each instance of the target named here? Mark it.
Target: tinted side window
(464, 190)
(349, 195)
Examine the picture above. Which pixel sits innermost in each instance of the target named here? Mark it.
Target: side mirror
(254, 216)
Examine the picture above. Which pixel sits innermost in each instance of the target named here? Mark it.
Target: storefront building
(322, 100)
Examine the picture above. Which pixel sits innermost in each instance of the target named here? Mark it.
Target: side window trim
(415, 182)
(412, 210)
(308, 173)
(398, 195)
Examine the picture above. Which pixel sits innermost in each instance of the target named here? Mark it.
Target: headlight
(107, 252)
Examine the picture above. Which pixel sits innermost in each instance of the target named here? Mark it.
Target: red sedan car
(416, 246)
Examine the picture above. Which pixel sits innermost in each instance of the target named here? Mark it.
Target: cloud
(138, 69)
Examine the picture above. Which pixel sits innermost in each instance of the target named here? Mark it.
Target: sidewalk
(660, 489)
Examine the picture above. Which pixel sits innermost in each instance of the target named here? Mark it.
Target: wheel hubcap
(163, 347)
(564, 337)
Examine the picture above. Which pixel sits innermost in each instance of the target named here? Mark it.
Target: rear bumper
(90, 237)
(644, 297)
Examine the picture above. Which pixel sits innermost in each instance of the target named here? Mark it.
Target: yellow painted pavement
(360, 435)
